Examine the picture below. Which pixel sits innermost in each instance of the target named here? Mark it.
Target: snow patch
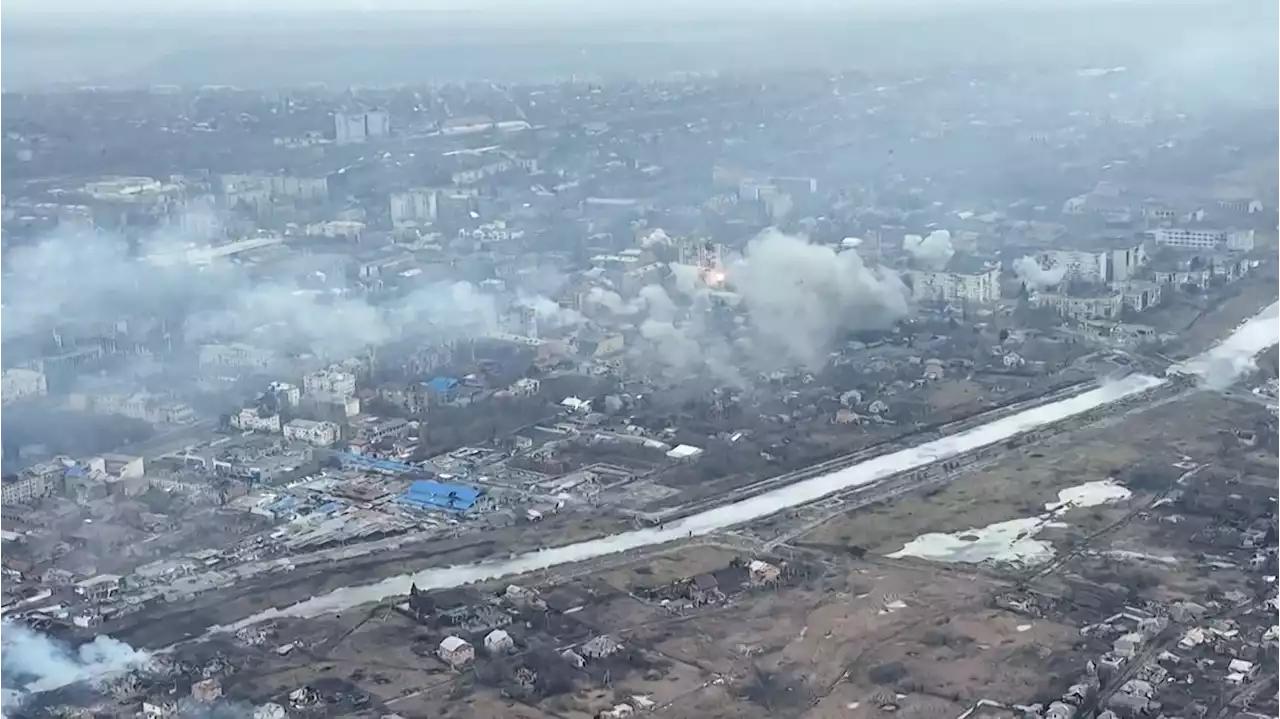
(1012, 542)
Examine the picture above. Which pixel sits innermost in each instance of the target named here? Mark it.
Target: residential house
(456, 652)
(498, 642)
(319, 434)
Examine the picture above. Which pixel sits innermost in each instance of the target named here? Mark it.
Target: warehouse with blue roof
(444, 387)
(432, 495)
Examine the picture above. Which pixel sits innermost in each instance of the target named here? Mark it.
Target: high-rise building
(415, 205)
(349, 127)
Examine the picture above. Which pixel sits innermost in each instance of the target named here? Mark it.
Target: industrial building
(429, 494)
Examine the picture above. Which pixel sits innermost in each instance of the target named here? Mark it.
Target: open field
(862, 634)
(1024, 480)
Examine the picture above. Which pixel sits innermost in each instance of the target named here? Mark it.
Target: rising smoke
(31, 662)
(933, 251)
(1036, 277)
(91, 281)
(797, 299)
(801, 297)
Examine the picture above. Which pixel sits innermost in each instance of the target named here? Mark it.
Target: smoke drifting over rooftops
(31, 662)
(801, 297)
(1036, 277)
(92, 280)
(933, 251)
(792, 302)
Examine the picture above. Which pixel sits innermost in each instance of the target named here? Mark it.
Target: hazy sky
(531, 7)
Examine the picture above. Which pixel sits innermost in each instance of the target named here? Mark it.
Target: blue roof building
(430, 494)
(444, 384)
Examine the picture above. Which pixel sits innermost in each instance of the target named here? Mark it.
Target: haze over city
(367, 358)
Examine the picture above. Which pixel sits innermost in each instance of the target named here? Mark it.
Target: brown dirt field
(481, 704)
(1164, 554)
(665, 568)
(850, 701)
(1020, 483)
(845, 625)
(953, 393)
(716, 702)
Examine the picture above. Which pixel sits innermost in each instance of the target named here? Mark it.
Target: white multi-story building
(330, 381)
(16, 384)
(320, 434)
(420, 204)
(977, 285)
(1094, 307)
(249, 420)
(235, 355)
(1078, 265)
(23, 488)
(289, 394)
(349, 127)
(1124, 261)
(1202, 239)
(377, 123)
(1115, 262)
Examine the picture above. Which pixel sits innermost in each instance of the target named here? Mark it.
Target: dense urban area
(941, 390)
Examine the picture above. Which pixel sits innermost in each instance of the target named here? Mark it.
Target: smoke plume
(1036, 277)
(932, 252)
(687, 278)
(92, 281)
(549, 312)
(800, 297)
(31, 662)
(610, 300)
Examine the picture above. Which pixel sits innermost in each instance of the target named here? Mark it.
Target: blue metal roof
(430, 494)
(443, 384)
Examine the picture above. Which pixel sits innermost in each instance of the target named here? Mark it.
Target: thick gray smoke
(931, 252)
(549, 312)
(1036, 277)
(800, 297)
(94, 280)
(687, 278)
(31, 662)
(608, 299)
(659, 304)
(796, 299)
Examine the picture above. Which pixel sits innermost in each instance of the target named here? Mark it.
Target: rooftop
(430, 494)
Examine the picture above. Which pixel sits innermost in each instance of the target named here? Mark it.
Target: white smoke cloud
(31, 662)
(657, 237)
(933, 251)
(687, 278)
(659, 304)
(549, 312)
(610, 300)
(1228, 361)
(1036, 277)
(95, 279)
(800, 297)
